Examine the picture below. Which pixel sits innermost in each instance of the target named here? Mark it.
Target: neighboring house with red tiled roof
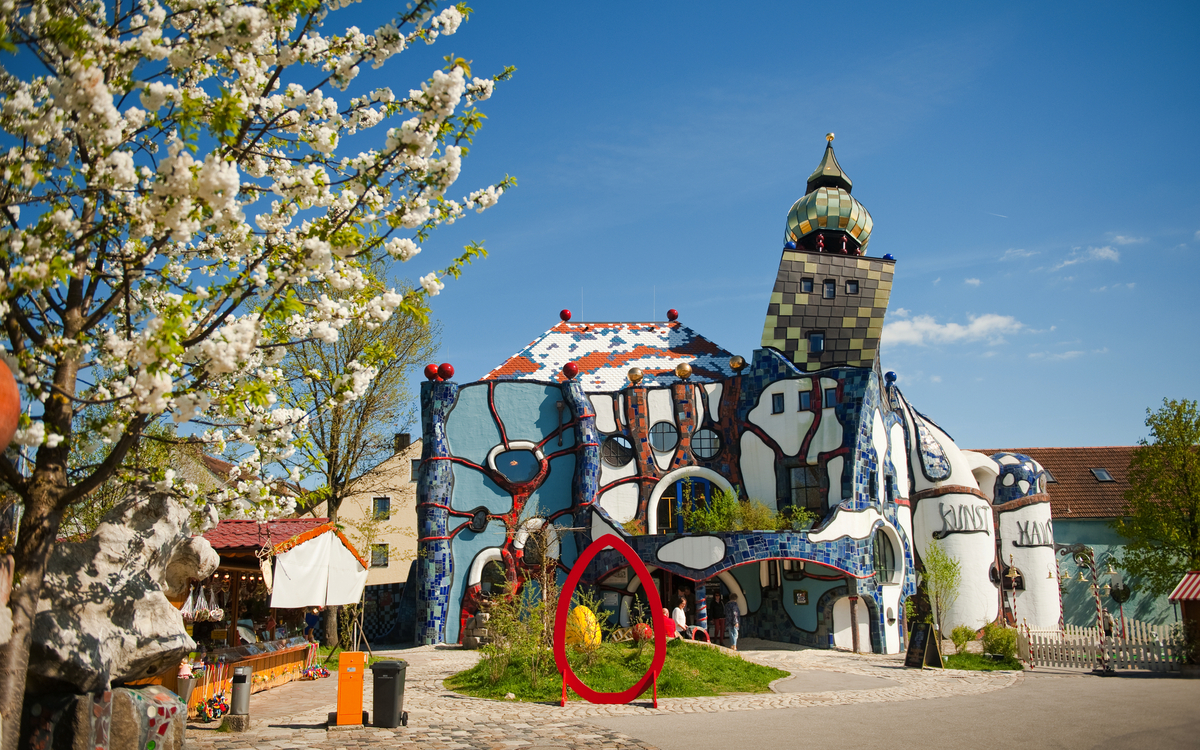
(605, 352)
(1087, 490)
(238, 536)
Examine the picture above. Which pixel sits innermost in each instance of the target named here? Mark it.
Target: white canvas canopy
(318, 572)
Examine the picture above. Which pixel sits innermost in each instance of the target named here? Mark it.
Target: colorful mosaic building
(619, 427)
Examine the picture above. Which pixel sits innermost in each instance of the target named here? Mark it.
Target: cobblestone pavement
(294, 715)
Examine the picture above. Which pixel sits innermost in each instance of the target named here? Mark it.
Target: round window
(617, 450)
(706, 443)
(664, 436)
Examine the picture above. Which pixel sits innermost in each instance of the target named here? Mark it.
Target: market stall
(251, 610)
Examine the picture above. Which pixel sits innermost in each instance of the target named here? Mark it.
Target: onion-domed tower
(829, 299)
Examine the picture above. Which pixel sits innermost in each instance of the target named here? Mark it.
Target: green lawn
(689, 671)
(981, 663)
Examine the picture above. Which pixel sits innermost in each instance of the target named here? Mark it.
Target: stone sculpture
(104, 617)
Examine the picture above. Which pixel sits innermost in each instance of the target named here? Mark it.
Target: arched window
(677, 495)
(885, 557)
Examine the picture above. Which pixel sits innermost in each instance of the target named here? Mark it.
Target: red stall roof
(231, 535)
(1188, 589)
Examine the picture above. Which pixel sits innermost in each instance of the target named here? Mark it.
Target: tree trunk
(35, 540)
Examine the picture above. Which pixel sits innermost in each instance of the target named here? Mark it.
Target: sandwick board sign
(923, 648)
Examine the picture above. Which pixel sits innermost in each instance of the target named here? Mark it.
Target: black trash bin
(239, 700)
(388, 701)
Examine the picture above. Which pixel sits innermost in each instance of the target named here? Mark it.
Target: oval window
(663, 436)
(617, 450)
(518, 466)
(706, 443)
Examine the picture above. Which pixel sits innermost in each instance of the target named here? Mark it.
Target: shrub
(724, 512)
(999, 640)
(962, 635)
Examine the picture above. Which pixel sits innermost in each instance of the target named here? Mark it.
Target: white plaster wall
(1038, 604)
(977, 601)
(687, 471)
(602, 405)
(600, 527)
(855, 524)
(788, 428)
(879, 443)
(621, 408)
(758, 469)
(828, 437)
(698, 401)
(985, 471)
(904, 520)
(620, 502)
(843, 637)
(659, 405)
(834, 468)
(714, 399)
(890, 593)
(899, 459)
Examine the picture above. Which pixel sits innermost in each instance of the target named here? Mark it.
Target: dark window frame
(816, 349)
(805, 400)
(829, 289)
(812, 495)
(792, 570)
(830, 401)
(706, 443)
(851, 286)
(777, 403)
(655, 433)
(884, 557)
(614, 448)
(379, 552)
(1102, 474)
(806, 286)
(386, 514)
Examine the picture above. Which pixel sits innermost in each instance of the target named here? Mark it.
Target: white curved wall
(714, 400)
(602, 404)
(621, 501)
(789, 427)
(843, 636)
(828, 436)
(758, 469)
(899, 459)
(1038, 605)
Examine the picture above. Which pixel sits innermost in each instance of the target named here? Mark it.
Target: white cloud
(1115, 287)
(1197, 235)
(901, 312)
(1092, 253)
(1056, 355)
(935, 379)
(973, 282)
(1012, 253)
(1121, 239)
(924, 329)
(937, 280)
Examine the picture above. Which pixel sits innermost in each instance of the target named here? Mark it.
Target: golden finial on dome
(829, 137)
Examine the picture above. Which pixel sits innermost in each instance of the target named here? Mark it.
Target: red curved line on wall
(624, 480)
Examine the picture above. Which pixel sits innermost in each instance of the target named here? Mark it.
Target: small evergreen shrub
(999, 640)
(962, 635)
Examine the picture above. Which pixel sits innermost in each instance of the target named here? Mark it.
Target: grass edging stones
(690, 671)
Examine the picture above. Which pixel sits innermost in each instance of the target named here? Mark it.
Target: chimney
(403, 440)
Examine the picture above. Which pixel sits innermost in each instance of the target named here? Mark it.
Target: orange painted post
(351, 665)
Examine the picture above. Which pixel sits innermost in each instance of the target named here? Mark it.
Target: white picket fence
(1144, 646)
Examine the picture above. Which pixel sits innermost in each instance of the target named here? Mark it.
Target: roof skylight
(1102, 475)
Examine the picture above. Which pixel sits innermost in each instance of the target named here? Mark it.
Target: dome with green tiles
(828, 205)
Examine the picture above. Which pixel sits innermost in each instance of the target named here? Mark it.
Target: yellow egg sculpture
(582, 628)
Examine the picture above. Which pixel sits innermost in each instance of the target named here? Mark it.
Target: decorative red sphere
(10, 405)
(431, 372)
(672, 314)
(445, 371)
(642, 632)
(565, 315)
(570, 369)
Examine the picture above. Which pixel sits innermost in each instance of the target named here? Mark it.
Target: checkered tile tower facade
(826, 233)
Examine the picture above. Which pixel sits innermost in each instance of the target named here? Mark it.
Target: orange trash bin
(351, 666)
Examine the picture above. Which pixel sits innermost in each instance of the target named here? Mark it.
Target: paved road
(842, 699)
(1040, 711)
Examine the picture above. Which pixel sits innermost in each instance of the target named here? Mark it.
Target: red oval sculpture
(672, 315)
(565, 315)
(431, 372)
(564, 610)
(10, 405)
(570, 369)
(445, 371)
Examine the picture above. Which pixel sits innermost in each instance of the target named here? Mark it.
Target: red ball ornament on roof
(564, 314)
(10, 405)
(431, 372)
(445, 371)
(570, 369)
(672, 315)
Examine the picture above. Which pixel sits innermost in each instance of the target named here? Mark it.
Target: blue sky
(1031, 166)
